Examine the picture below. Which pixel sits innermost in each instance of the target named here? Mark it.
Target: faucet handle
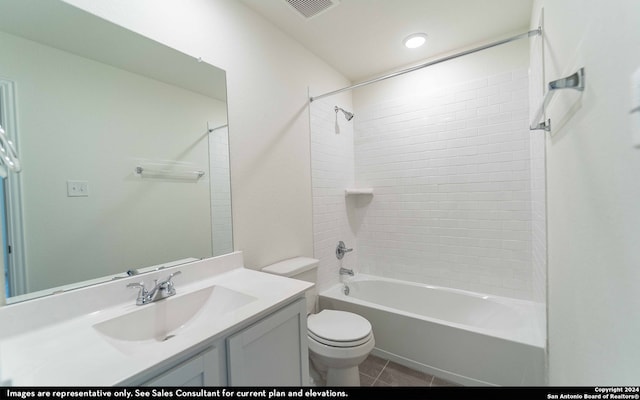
(173, 274)
(168, 285)
(168, 280)
(141, 293)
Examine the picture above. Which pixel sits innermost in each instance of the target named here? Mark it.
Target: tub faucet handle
(341, 250)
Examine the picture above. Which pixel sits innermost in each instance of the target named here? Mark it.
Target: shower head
(347, 114)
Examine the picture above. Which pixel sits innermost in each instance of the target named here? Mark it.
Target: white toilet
(338, 340)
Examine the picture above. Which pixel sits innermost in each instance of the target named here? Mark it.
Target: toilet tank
(301, 268)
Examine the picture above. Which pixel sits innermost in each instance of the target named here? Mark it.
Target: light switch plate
(77, 188)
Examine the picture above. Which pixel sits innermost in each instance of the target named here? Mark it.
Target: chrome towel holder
(161, 173)
(575, 81)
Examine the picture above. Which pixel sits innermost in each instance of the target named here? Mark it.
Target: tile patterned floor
(376, 371)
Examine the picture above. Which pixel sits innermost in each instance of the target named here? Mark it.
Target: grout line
(375, 379)
(429, 384)
(380, 373)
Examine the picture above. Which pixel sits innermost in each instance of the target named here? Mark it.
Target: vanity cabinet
(200, 370)
(270, 352)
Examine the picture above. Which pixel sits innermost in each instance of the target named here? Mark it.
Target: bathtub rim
(538, 339)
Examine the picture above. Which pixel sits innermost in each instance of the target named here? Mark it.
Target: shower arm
(348, 115)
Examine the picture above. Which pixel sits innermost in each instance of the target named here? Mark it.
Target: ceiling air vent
(312, 8)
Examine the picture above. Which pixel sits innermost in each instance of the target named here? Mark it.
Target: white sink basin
(165, 319)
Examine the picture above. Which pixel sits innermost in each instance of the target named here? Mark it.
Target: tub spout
(345, 271)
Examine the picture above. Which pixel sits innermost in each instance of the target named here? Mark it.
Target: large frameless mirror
(123, 144)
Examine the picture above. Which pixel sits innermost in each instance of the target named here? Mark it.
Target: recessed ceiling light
(415, 40)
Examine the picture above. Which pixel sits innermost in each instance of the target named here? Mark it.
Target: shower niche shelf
(358, 192)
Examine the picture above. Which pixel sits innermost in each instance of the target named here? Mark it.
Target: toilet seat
(338, 328)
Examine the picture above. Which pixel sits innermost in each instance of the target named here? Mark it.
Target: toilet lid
(338, 328)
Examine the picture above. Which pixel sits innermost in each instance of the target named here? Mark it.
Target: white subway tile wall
(451, 172)
(332, 170)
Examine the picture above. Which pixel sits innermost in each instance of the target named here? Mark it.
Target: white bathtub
(461, 336)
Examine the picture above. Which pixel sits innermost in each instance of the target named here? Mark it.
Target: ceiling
(57, 24)
(363, 38)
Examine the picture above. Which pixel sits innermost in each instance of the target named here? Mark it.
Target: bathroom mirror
(123, 144)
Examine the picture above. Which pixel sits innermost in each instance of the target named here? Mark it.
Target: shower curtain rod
(529, 34)
(216, 128)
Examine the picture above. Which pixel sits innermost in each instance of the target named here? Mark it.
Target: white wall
(538, 174)
(592, 192)
(83, 120)
(446, 150)
(221, 221)
(267, 78)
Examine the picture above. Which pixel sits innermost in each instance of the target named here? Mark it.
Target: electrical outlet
(77, 188)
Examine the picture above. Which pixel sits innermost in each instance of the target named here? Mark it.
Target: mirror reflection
(123, 145)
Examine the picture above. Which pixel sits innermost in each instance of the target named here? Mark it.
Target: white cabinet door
(201, 370)
(271, 352)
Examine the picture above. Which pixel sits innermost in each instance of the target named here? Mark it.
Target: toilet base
(337, 366)
(343, 376)
(320, 375)
(317, 377)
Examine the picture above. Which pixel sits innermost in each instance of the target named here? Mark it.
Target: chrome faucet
(161, 290)
(345, 271)
(341, 250)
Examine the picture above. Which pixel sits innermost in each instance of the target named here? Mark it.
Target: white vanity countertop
(72, 352)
